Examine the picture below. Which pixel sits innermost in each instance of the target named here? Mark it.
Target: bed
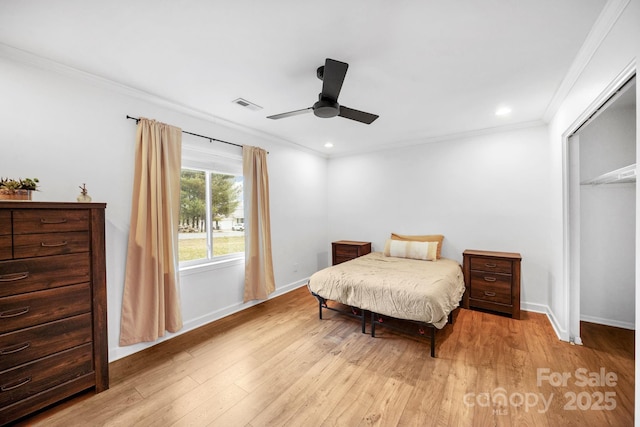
(425, 291)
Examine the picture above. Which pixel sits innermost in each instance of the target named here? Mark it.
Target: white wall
(607, 220)
(615, 56)
(482, 192)
(66, 129)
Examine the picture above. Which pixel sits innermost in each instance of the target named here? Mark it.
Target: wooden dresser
(492, 281)
(344, 250)
(53, 305)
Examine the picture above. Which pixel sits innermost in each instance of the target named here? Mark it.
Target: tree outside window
(211, 216)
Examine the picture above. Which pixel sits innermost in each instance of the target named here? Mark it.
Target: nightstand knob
(489, 294)
(490, 265)
(489, 279)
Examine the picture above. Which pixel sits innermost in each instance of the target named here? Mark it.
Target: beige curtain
(151, 300)
(259, 281)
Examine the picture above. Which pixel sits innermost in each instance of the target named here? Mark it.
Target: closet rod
(195, 134)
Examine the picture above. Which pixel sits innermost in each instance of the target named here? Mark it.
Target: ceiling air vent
(244, 103)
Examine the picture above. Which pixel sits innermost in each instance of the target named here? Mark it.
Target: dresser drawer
(34, 274)
(26, 380)
(5, 247)
(27, 221)
(5, 223)
(34, 308)
(33, 343)
(491, 265)
(45, 244)
(491, 287)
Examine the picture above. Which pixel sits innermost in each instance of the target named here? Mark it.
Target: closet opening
(601, 200)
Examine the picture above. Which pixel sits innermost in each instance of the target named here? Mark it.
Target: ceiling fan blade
(290, 114)
(333, 77)
(358, 116)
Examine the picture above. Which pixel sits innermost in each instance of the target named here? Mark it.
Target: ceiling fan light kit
(326, 108)
(332, 74)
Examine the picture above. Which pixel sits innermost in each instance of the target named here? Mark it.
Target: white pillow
(427, 251)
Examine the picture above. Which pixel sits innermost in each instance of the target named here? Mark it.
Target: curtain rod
(195, 134)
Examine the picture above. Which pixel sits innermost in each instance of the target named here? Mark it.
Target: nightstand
(345, 250)
(492, 281)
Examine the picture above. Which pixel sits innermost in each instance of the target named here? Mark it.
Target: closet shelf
(618, 176)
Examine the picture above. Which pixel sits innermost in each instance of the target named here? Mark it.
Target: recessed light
(328, 145)
(503, 111)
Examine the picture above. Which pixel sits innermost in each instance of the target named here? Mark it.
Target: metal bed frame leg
(433, 341)
(373, 324)
(322, 302)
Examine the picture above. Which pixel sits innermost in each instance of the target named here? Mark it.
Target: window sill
(212, 265)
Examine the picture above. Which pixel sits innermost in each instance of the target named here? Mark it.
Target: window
(211, 212)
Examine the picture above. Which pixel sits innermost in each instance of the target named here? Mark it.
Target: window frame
(210, 258)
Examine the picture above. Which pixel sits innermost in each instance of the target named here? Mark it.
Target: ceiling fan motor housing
(326, 108)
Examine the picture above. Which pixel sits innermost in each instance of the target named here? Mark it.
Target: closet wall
(608, 215)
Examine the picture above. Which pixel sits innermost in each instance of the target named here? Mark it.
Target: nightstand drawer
(346, 251)
(491, 287)
(492, 265)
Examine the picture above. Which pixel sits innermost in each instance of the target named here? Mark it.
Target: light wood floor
(277, 364)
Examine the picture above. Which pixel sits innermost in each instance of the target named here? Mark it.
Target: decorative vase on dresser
(492, 281)
(345, 250)
(53, 310)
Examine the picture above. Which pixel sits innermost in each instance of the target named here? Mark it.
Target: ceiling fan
(332, 74)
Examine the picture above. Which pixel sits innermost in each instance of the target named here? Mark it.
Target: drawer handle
(15, 349)
(53, 245)
(490, 265)
(14, 277)
(53, 221)
(14, 313)
(489, 279)
(19, 383)
(489, 294)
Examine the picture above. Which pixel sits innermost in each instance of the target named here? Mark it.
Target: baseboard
(545, 309)
(608, 322)
(120, 352)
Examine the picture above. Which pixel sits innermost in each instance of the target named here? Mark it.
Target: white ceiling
(430, 69)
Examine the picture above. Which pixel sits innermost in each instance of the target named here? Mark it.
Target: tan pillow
(425, 238)
(426, 251)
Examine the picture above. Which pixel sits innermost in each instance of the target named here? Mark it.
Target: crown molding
(443, 138)
(601, 28)
(28, 58)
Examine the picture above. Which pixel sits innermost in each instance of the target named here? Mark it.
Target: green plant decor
(9, 185)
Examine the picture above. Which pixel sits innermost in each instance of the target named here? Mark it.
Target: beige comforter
(425, 291)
